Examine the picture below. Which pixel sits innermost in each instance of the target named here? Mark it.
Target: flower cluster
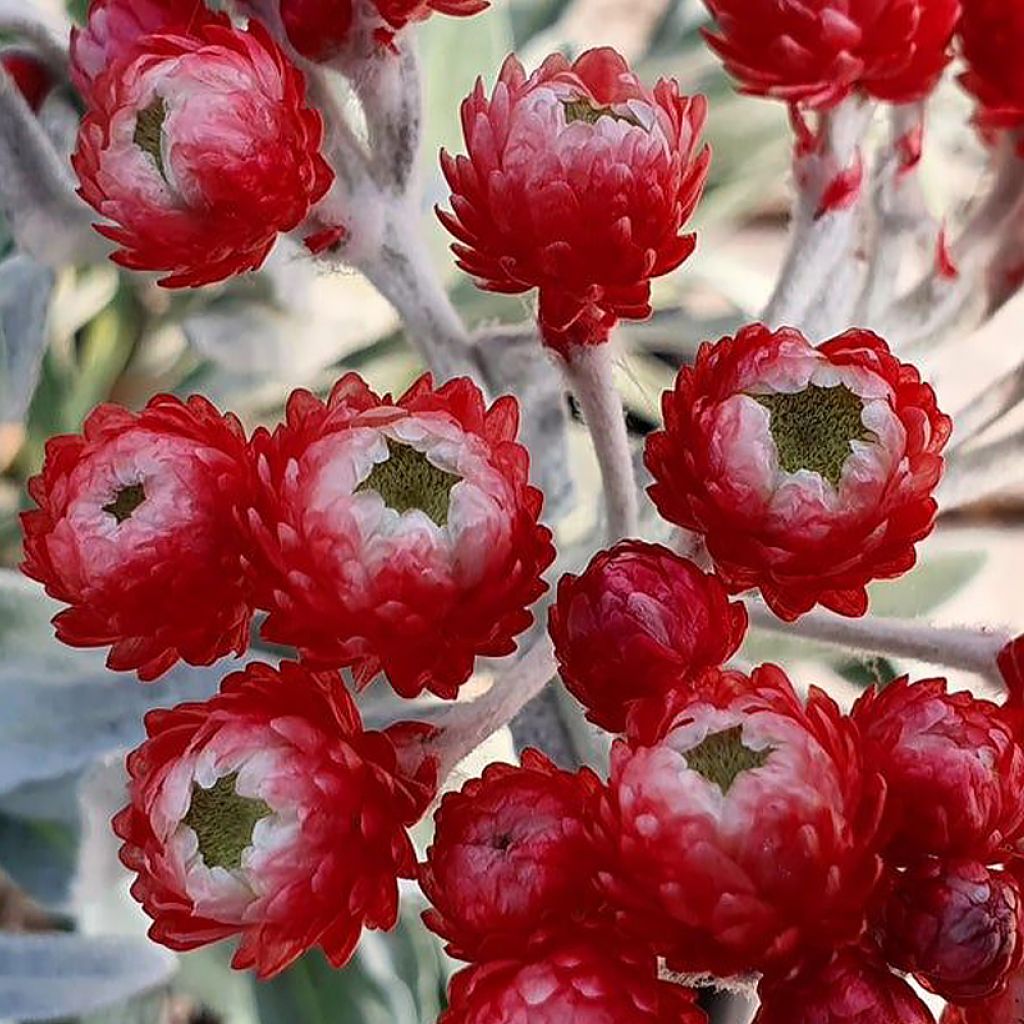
(198, 149)
(578, 182)
(742, 831)
(808, 470)
(396, 537)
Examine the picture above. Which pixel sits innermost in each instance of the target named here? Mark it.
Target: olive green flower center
(814, 429)
(408, 480)
(223, 822)
(585, 109)
(721, 757)
(126, 501)
(149, 124)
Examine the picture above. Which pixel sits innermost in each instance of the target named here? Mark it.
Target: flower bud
(588, 982)
(956, 926)
(639, 623)
(818, 53)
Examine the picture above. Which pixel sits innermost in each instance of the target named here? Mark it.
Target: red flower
(1005, 1008)
(954, 773)
(809, 471)
(399, 537)
(269, 813)
(29, 74)
(511, 863)
(116, 31)
(637, 624)
(578, 182)
(855, 987)
(200, 150)
(746, 836)
(582, 983)
(819, 51)
(135, 531)
(956, 926)
(991, 35)
(399, 13)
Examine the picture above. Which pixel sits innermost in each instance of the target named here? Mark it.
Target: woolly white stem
(973, 650)
(588, 371)
(900, 214)
(401, 269)
(819, 240)
(466, 726)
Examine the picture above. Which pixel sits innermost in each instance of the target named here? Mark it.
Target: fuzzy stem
(588, 371)
(900, 212)
(465, 726)
(819, 238)
(401, 269)
(973, 650)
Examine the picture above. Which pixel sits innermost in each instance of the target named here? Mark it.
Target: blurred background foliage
(90, 334)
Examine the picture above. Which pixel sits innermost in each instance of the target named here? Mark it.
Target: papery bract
(590, 982)
(637, 624)
(318, 29)
(956, 926)
(398, 537)
(809, 471)
(399, 13)
(991, 35)
(954, 772)
(578, 181)
(136, 531)
(116, 29)
(268, 812)
(512, 866)
(819, 51)
(854, 987)
(746, 835)
(199, 151)
(31, 76)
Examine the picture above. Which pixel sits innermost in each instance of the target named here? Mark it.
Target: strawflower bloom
(817, 52)
(991, 35)
(809, 471)
(198, 152)
(400, 537)
(638, 623)
(135, 530)
(511, 865)
(746, 835)
(115, 30)
(588, 982)
(268, 812)
(953, 770)
(854, 987)
(578, 182)
(956, 926)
